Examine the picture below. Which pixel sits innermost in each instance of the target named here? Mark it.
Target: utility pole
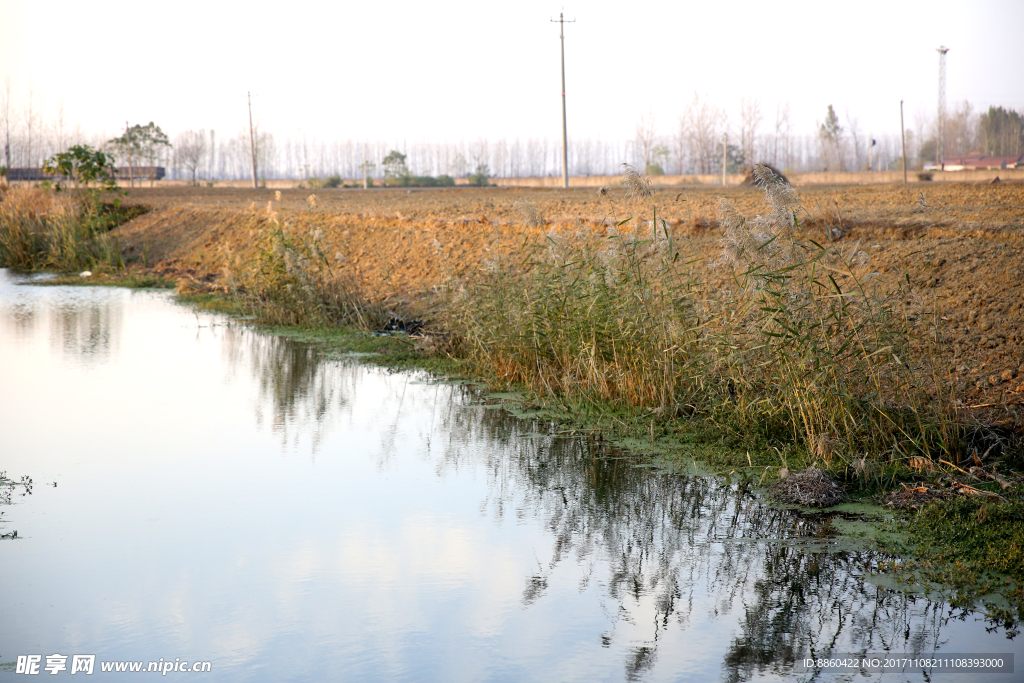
(252, 143)
(565, 139)
(128, 137)
(211, 164)
(725, 158)
(903, 141)
(366, 171)
(940, 153)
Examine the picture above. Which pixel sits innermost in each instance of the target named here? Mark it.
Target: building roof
(973, 161)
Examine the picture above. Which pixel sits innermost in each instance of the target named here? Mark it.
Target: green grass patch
(115, 279)
(214, 303)
(971, 547)
(105, 216)
(393, 350)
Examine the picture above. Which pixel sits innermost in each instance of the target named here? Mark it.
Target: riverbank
(629, 325)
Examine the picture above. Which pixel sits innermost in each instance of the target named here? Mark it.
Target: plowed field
(960, 244)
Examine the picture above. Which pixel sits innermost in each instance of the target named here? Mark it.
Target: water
(230, 497)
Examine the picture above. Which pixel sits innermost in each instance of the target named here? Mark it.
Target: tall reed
(602, 318)
(796, 346)
(292, 280)
(811, 344)
(43, 229)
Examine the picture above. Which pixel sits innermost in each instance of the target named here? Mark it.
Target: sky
(450, 71)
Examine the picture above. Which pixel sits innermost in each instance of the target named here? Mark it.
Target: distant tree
(735, 161)
(927, 151)
(143, 143)
(705, 123)
(831, 136)
(1001, 132)
(394, 166)
(679, 143)
(750, 120)
(82, 163)
(366, 169)
(190, 150)
(781, 134)
(458, 165)
(645, 139)
(961, 130)
(6, 108)
(659, 155)
(480, 177)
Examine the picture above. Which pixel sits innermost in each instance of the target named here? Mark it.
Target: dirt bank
(962, 245)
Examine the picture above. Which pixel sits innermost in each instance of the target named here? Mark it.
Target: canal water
(205, 493)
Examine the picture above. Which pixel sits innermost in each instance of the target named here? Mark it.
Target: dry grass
(292, 281)
(797, 346)
(680, 337)
(43, 229)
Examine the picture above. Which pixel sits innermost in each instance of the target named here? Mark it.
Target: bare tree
(211, 168)
(961, 130)
(6, 108)
(190, 150)
(30, 121)
(921, 125)
(59, 125)
(830, 135)
(781, 134)
(681, 142)
(750, 119)
(705, 125)
(645, 139)
(852, 124)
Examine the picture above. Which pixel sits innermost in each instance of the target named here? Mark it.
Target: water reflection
(298, 392)
(346, 521)
(669, 553)
(88, 333)
(680, 550)
(82, 326)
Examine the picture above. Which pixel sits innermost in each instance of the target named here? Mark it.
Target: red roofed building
(973, 162)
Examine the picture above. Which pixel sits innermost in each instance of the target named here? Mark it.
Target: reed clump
(800, 344)
(40, 228)
(293, 281)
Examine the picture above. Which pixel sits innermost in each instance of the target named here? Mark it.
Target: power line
(565, 139)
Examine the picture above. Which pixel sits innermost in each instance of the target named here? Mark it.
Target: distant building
(976, 162)
(140, 172)
(25, 174)
(120, 173)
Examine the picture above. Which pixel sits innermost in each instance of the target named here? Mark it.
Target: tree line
(697, 142)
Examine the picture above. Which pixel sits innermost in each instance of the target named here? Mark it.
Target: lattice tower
(940, 152)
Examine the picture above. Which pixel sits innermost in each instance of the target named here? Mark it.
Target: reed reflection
(686, 549)
(87, 327)
(88, 331)
(668, 552)
(299, 393)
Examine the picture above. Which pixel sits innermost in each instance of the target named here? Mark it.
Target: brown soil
(962, 246)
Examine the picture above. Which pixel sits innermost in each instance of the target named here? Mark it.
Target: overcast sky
(461, 70)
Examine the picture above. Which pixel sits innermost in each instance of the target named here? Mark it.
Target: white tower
(940, 152)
